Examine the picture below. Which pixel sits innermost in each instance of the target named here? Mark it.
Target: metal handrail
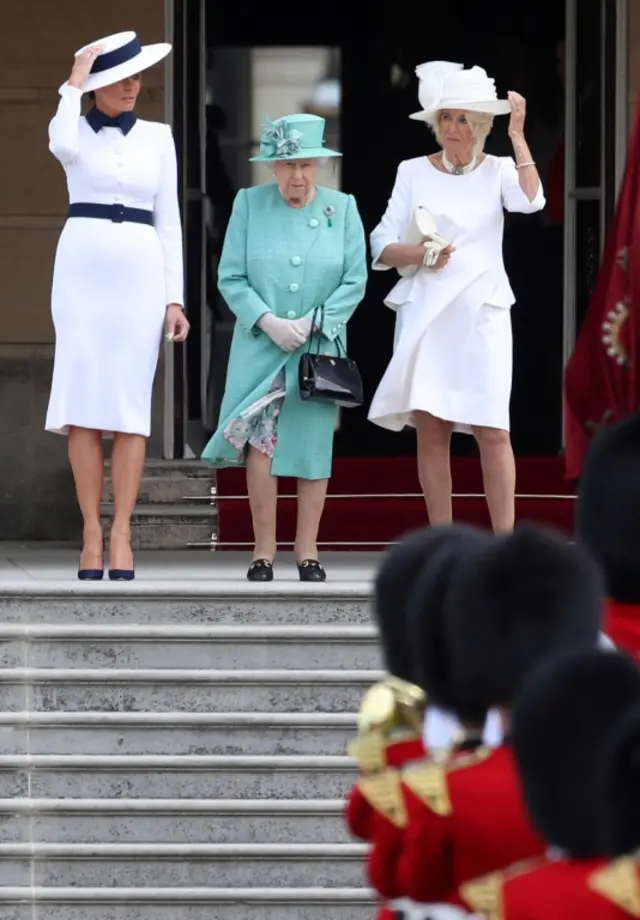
(215, 496)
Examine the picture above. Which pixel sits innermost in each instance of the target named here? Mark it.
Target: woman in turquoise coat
(290, 246)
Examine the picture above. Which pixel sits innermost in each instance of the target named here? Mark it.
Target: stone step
(141, 733)
(172, 777)
(172, 821)
(175, 646)
(122, 689)
(278, 903)
(168, 526)
(172, 486)
(214, 601)
(115, 865)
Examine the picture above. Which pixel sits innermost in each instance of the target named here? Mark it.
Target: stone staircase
(176, 507)
(170, 757)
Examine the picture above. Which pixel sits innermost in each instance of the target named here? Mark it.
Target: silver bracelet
(522, 165)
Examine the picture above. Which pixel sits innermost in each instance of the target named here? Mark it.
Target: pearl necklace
(457, 170)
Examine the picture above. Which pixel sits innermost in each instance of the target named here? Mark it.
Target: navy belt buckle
(117, 211)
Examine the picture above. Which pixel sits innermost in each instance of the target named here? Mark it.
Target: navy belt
(117, 213)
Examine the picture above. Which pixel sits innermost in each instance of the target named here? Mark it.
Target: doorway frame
(621, 128)
(620, 141)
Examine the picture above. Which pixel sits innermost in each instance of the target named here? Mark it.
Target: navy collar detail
(97, 119)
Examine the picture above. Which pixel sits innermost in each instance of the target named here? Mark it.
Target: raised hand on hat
(518, 114)
(82, 66)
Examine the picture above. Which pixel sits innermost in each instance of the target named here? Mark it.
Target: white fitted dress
(112, 282)
(452, 352)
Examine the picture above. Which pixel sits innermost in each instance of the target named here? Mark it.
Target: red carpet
(373, 501)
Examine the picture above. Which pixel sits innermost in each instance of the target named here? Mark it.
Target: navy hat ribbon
(119, 56)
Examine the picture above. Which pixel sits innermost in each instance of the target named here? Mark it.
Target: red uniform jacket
(362, 818)
(465, 818)
(564, 889)
(622, 625)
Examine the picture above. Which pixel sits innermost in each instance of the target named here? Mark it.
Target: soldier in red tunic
(392, 714)
(608, 523)
(426, 630)
(512, 603)
(570, 716)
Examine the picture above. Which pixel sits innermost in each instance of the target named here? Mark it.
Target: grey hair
(481, 124)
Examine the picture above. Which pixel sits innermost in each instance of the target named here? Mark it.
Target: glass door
(189, 72)
(595, 145)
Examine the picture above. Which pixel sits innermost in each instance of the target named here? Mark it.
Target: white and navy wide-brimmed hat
(122, 57)
(444, 85)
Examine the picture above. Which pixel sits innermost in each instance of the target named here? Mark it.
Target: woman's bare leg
(499, 474)
(127, 466)
(311, 498)
(262, 488)
(86, 457)
(434, 465)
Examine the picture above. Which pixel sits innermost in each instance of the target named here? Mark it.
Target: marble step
(168, 526)
(277, 903)
(197, 603)
(168, 690)
(192, 776)
(171, 482)
(189, 865)
(181, 733)
(93, 821)
(197, 647)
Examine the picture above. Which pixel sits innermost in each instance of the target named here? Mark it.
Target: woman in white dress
(117, 282)
(452, 363)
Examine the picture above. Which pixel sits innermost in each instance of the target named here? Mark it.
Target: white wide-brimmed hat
(444, 85)
(122, 57)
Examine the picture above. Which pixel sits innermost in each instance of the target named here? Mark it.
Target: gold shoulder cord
(428, 781)
(484, 896)
(383, 791)
(618, 883)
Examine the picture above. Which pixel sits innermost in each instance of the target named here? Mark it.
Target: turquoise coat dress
(287, 261)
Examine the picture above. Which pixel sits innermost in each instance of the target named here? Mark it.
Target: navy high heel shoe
(90, 574)
(121, 574)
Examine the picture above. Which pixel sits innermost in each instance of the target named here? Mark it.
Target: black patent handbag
(331, 378)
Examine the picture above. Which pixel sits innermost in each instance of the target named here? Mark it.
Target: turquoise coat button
(314, 222)
(294, 288)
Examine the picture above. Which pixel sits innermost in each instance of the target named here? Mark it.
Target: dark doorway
(372, 62)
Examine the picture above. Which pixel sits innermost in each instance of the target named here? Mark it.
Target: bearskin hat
(561, 718)
(400, 567)
(608, 507)
(426, 627)
(620, 787)
(517, 599)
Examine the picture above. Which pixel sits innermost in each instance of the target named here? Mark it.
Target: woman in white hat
(452, 362)
(117, 283)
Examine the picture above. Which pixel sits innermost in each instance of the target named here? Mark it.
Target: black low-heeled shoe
(311, 570)
(260, 570)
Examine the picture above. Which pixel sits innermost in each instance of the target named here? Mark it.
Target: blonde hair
(481, 124)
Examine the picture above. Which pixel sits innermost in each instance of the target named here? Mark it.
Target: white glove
(287, 334)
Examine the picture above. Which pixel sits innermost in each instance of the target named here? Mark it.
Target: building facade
(37, 43)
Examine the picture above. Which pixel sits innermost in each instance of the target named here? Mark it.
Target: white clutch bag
(422, 229)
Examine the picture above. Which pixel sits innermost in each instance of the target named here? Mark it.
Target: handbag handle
(315, 325)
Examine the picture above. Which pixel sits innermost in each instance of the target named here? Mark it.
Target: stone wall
(37, 42)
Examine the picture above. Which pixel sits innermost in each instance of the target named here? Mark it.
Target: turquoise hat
(294, 137)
